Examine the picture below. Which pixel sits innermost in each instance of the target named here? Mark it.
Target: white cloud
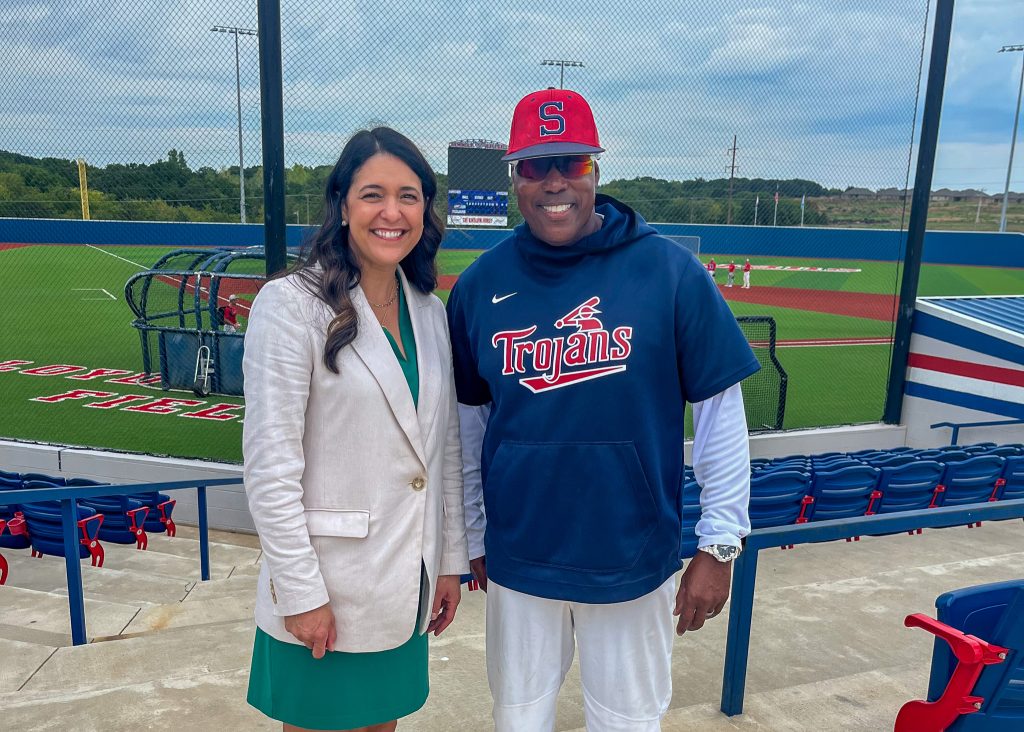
(823, 90)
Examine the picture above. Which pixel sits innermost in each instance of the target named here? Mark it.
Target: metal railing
(745, 570)
(957, 426)
(68, 497)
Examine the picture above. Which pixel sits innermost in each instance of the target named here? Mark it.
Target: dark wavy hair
(329, 247)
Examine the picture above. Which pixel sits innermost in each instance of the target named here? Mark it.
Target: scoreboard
(478, 185)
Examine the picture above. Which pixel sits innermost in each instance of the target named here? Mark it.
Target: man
(746, 275)
(713, 268)
(230, 317)
(587, 333)
(732, 275)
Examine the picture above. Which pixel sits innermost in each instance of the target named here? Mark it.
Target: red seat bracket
(972, 654)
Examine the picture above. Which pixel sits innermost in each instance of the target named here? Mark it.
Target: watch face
(722, 552)
(729, 552)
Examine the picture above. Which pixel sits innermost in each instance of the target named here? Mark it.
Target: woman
(352, 458)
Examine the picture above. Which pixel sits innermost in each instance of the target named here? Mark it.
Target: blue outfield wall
(941, 247)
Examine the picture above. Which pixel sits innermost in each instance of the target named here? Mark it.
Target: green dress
(344, 690)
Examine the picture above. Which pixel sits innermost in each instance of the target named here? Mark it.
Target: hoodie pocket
(584, 506)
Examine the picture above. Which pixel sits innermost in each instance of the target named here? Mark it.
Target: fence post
(741, 610)
(204, 534)
(76, 598)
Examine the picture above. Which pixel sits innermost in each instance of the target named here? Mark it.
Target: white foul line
(93, 289)
(115, 256)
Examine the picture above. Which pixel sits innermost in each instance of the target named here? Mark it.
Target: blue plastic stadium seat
(972, 481)
(779, 497)
(1002, 451)
(891, 461)
(860, 453)
(910, 487)
(41, 478)
(160, 507)
(837, 464)
(123, 519)
(903, 448)
(690, 497)
(986, 625)
(844, 493)
(9, 476)
(44, 523)
(953, 456)
(1013, 477)
(8, 511)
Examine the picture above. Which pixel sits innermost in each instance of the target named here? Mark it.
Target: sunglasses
(570, 166)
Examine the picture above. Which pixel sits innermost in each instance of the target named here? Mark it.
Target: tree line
(170, 190)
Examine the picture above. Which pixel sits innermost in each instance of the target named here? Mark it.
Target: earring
(344, 222)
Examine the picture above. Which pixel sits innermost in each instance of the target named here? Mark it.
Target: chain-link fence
(780, 121)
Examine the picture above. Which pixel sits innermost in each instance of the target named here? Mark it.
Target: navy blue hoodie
(589, 354)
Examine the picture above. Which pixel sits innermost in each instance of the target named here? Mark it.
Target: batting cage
(764, 393)
(190, 310)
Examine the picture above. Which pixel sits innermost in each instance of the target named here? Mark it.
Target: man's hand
(315, 629)
(703, 591)
(478, 567)
(446, 599)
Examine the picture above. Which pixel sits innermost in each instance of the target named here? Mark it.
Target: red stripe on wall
(997, 374)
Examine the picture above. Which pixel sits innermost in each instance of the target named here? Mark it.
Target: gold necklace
(390, 302)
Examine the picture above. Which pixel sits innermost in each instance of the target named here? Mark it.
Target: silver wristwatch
(722, 552)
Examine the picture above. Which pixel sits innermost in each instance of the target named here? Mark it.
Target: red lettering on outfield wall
(73, 394)
(139, 379)
(57, 369)
(167, 405)
(111, 403)
(97, 373)
(12, 365)
(218, 412)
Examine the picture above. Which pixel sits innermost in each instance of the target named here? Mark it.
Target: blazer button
(418, 483)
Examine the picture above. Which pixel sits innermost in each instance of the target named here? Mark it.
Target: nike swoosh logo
(495, 299)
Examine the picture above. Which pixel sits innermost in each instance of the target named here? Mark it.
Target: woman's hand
(446, 599)
(315, 629)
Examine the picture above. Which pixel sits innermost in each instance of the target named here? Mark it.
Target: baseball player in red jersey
(732, 275)
(746, 275)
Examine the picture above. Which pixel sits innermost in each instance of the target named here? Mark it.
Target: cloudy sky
(820, 89)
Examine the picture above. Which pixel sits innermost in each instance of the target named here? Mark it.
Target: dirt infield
(10, 245)
(854, 304)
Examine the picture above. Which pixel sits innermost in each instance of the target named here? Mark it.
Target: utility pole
(732, 175)
(757, 202)
(775, 216)
(977, 214)
(238, 98)
(1013, 137)
(561, 64)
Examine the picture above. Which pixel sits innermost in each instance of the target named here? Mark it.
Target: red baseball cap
(552, 122)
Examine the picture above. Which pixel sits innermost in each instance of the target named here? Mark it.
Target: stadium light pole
(1013, 137)
(561, 64)
(238, 98)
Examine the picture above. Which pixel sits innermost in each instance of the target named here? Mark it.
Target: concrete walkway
(828, 652)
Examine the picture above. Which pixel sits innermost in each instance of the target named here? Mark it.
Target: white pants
(746, 280)
(625, 659)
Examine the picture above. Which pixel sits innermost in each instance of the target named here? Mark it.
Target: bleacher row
(787, 490)
(799, 488)
(117, 519)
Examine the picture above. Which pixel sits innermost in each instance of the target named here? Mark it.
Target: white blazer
(352, 488)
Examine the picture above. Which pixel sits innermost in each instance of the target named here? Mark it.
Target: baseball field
(71, 364)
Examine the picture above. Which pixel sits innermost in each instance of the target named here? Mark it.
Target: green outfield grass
(65, 305)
